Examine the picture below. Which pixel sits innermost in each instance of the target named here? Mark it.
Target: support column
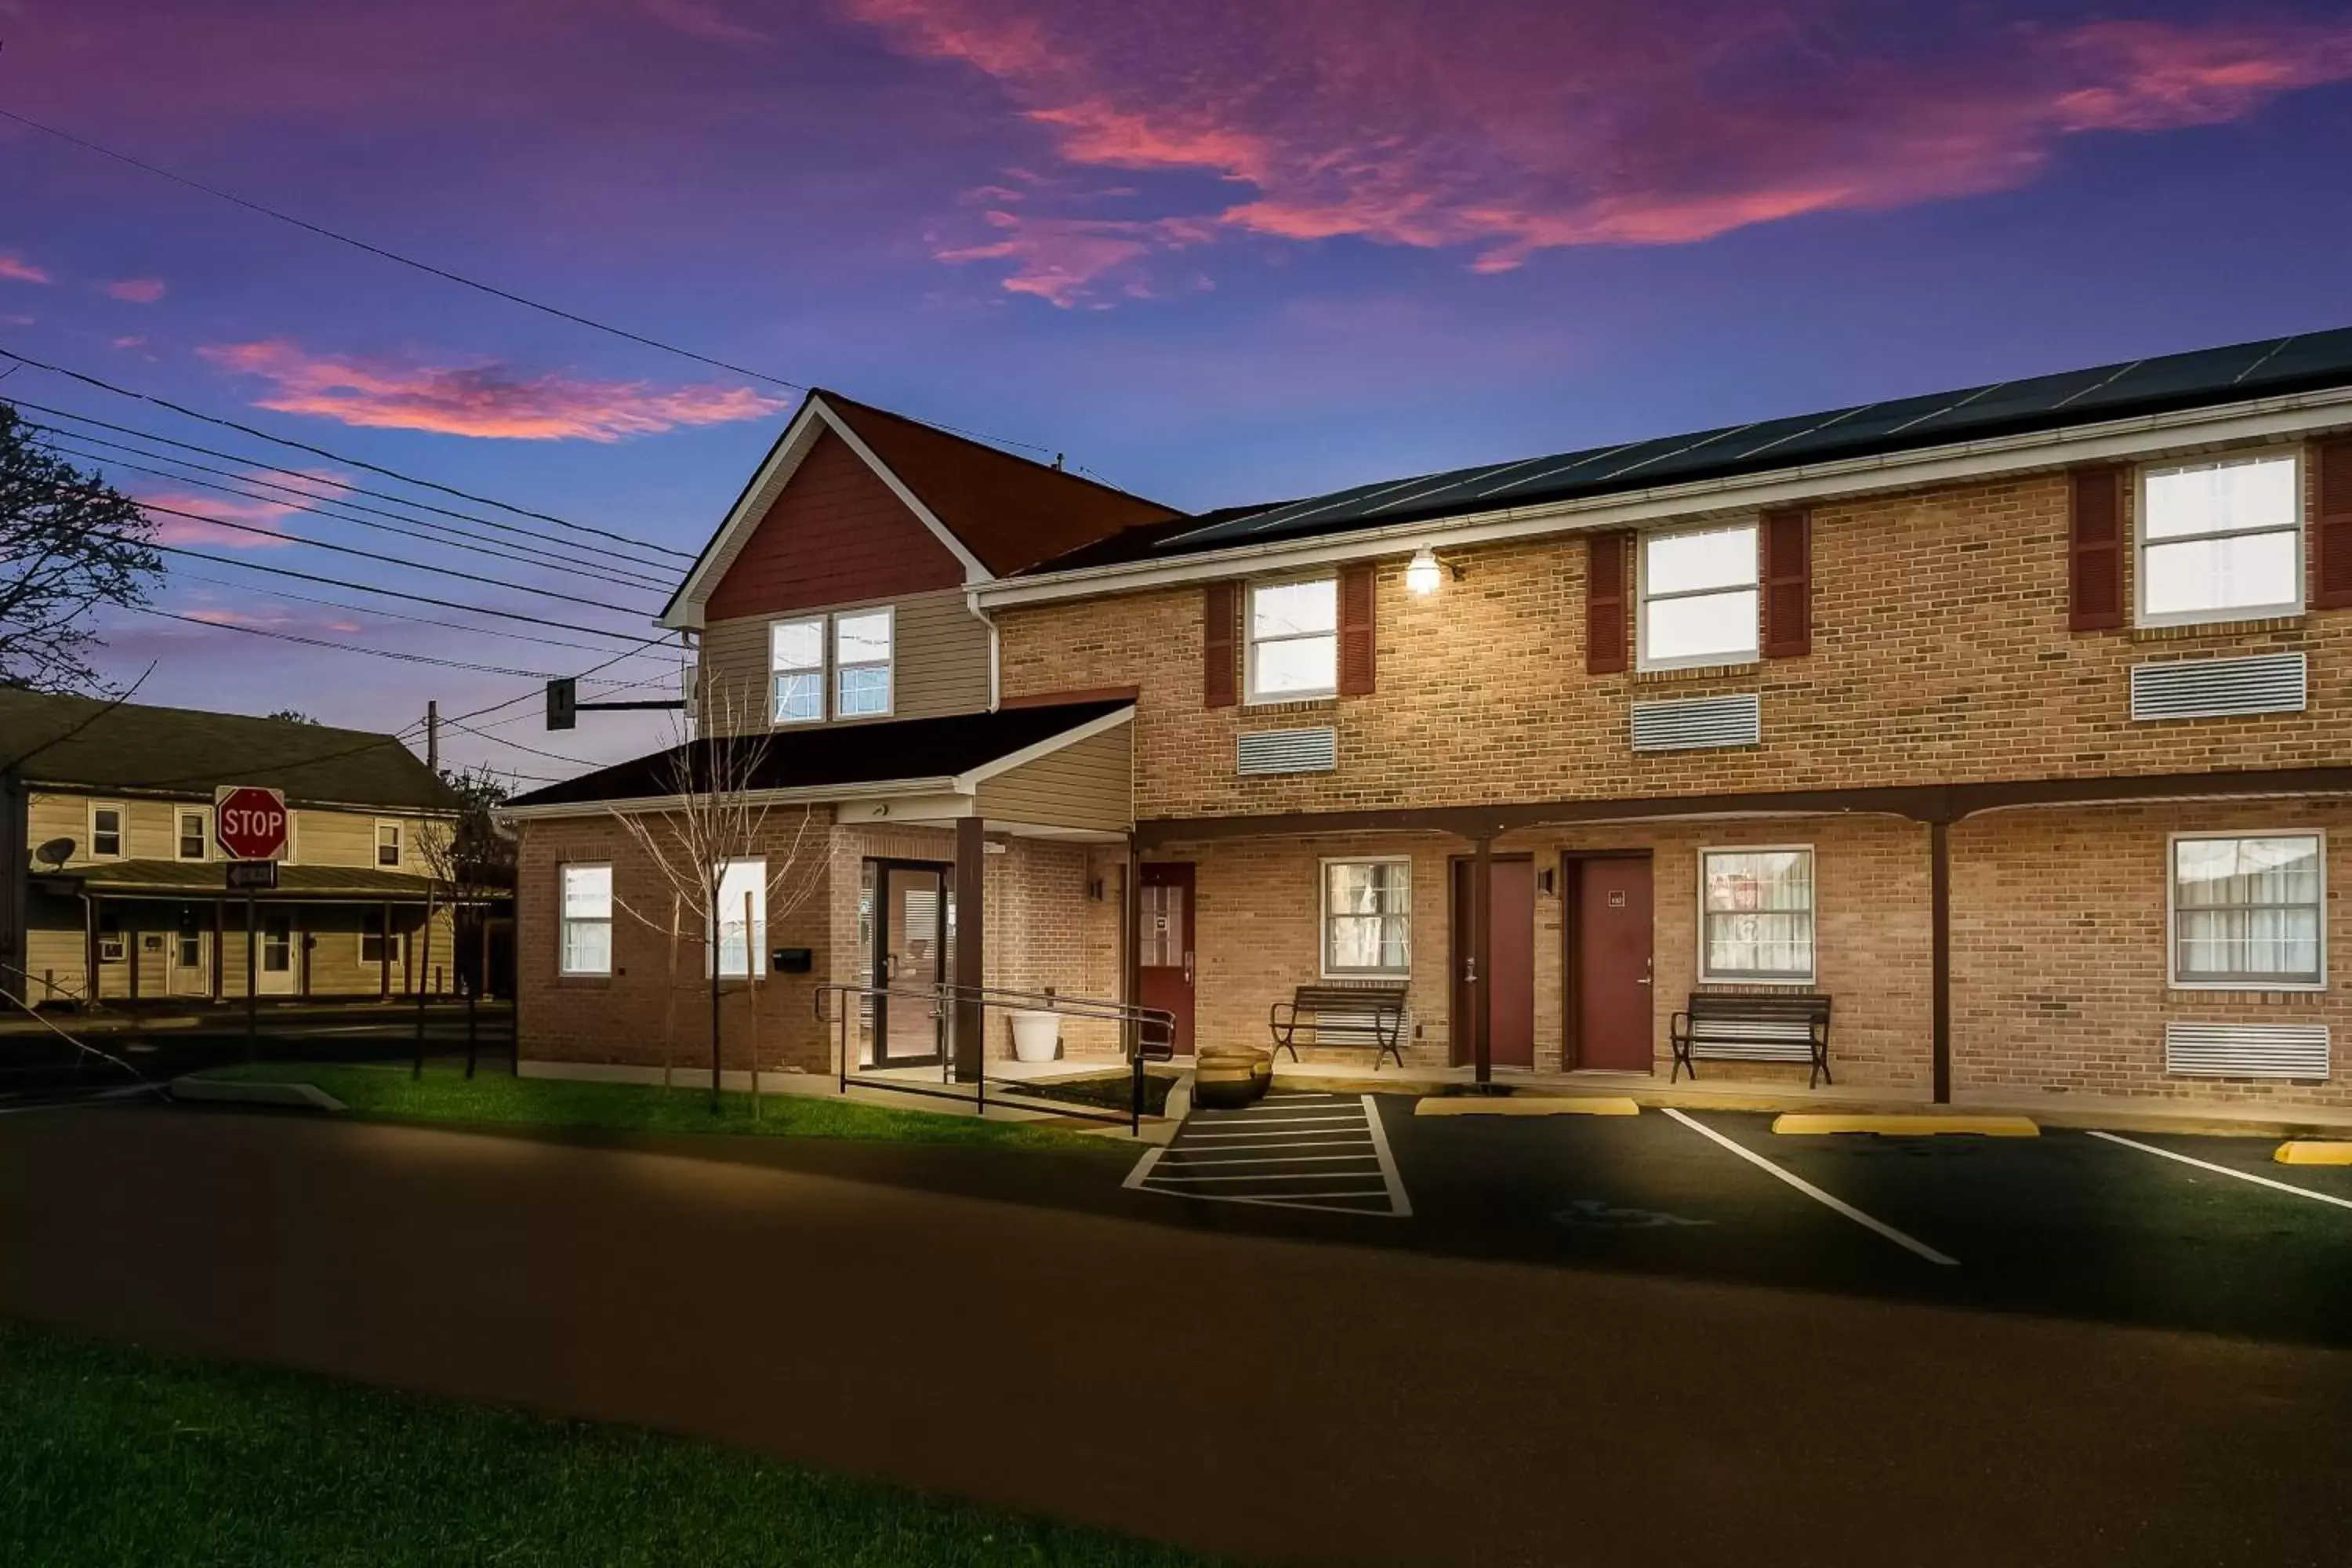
(383, 955)
(1130, 912)
(220, 945)
(1940, 917)
(971, 948)
(91, 969)
(16, 895)
(1482, 955)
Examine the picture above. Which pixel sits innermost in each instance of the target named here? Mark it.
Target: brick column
(971, 948)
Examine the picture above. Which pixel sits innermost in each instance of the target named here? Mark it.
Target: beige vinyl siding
(938, 663)
(1090, 783)
(151, 831)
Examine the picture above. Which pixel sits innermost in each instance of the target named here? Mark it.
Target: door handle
(1643, 980)
(1188, 967)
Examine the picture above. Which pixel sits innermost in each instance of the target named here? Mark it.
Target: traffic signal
(563, 702)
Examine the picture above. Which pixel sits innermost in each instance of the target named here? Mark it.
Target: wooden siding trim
(835, 534)
(1088, 784)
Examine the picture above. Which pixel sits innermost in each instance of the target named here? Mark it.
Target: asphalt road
(1760, 1380)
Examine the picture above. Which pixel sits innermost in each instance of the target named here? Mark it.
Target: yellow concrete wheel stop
(2315, 1151)
(1807, 1124)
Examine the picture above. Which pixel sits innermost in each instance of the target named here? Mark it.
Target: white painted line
(1135, 1178)
(1285, 1159)
(1399, 1205)
(1344, 1135)
(1811, 1191)
(1281, 1202)
(1274, 1121)
(2224, 1170)
(1163, 1177)
(1202, 1146)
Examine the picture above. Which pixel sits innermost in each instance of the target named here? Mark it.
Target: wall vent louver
(1287, 751)
(2247, 1050)
(1695, 722)
(2213, 688)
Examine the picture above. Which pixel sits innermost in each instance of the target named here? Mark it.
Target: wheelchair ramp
(1294, 1149)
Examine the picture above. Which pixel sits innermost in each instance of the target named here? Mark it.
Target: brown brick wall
(1940, 653)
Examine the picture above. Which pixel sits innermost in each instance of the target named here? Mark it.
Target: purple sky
(1229, 250)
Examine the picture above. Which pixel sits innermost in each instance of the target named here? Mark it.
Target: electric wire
(338, 646)
(378, 610)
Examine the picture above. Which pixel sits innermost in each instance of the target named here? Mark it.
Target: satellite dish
(54, 852)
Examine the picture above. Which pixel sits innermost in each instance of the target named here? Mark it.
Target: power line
(526, 560)
(446, 275)
(239, 457)
(401, 615)
(332, 456)
(608, 569)
(338, 647)
(518, 745)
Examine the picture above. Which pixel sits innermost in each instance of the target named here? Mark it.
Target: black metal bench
(1363, 1015)
(1776, 1028)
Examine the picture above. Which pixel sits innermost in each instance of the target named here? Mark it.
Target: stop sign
(250, 822)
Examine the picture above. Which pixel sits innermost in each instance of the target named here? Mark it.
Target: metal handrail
(1148, 1033)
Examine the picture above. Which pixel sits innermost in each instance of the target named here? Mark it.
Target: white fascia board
(814, 795)
(968, 782)
(973, 572)
(2139, 438)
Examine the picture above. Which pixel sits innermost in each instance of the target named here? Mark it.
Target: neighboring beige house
(2010, 728)
(124, 892)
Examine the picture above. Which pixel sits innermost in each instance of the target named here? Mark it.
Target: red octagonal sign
(250, 822)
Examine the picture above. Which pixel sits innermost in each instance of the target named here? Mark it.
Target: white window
(1755, 915)
(387, 844)
(372, 947)
(1294, 640)
(796, 661)
(1366, 918)
(861, 664)
(740, 945)
(194, 833)
(2249, 913)
(587, 896)
(105, 832)
(1698, 603)
(2220, 540)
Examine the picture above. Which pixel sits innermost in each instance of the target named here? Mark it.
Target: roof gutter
(2137, 438)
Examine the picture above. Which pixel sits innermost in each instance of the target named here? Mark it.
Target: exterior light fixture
(1421, 575)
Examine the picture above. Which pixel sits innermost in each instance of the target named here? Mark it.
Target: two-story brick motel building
(2015, 719)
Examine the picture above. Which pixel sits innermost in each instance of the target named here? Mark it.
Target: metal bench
(1776, 1027)
(1366, 1014)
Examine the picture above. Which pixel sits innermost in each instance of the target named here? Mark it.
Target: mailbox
(793, 960)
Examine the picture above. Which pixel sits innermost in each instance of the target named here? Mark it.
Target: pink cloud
(1541, 124)
(127, 342)
(174, 529)
(137, 290)
(14, 269)
(490, 400)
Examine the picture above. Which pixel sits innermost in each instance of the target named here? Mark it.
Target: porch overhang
(193, 880)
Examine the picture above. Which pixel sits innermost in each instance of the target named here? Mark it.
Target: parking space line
(1223, 1146)
(1399, 1205)
(2223, 1169)
(1190, 1160)
(1908, 1243)
(1339, 1133)
(1201, 1163)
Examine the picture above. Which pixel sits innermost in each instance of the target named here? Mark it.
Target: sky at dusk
(1221, 251)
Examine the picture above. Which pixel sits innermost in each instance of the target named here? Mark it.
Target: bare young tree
(68, 545)
(718, 817)
(470, 859)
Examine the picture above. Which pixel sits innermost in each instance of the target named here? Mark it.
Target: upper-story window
(1294, 639)
(797, 661)
(861, 663)
(1698, 597)
(2220, 540)
(387, 844)
(105, 832)
(192, 835)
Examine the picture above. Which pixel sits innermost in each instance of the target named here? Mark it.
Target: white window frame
(1251, 696)
(399, 843)
(564, 921)
(715, 944)
(1641, 597)
(204, 815)
(822, 669)
(888, 667)
(397, 939)
(2141, 544)
(2172, 915)
(1323, 923)
(122, 829)
(1748, 977)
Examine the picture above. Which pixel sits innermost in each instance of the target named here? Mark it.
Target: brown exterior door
(1163, 943)
(910, 943)
(1611, 953)
(1511, 958)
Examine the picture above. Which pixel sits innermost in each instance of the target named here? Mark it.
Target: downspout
(995, 648)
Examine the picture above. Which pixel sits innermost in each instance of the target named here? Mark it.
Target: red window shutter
(1788, 566)
(2331, 526)
(1356, 639)
(1220, 613)
(2096, 555)
(1604, 602)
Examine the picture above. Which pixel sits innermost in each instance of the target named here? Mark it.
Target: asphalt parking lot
(2071, 1224)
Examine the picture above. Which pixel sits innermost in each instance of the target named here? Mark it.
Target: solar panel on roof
(2304, 356)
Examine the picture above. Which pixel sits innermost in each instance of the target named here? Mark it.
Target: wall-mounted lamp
(1424, 572)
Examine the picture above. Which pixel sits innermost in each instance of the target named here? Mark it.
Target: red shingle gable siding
(835, 536)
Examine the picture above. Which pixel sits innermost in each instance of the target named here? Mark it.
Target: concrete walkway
(1275, 1399)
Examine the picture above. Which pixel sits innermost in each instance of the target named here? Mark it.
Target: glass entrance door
(910, 952)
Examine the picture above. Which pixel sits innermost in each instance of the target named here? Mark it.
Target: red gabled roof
(1010, 512)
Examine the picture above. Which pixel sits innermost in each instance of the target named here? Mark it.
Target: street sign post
(250, 824)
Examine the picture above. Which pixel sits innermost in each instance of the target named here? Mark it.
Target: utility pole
(16, 868)
(433, 736)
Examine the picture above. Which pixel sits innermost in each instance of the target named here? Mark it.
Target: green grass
(115, 1455)
(444, 1094)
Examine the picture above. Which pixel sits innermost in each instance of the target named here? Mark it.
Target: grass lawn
(446, 1094)
(116, 1455)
